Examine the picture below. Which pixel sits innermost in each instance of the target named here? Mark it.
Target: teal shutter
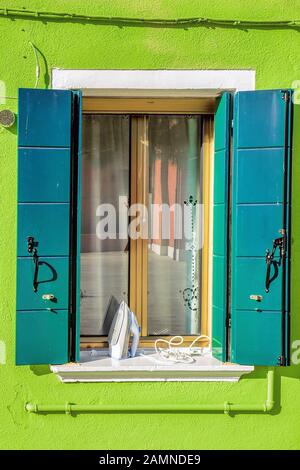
(260, 215)
(48, 130)
(220, 222)
(76, 205)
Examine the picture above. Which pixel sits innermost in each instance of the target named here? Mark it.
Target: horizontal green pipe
(184, 22)
(226, 407)
(73, 408)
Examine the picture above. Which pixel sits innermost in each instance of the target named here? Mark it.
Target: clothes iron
(123, 325)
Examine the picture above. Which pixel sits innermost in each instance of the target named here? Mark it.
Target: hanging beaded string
(190, 294)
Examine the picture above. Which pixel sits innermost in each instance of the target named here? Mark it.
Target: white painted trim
(97, 366)
(153, 82)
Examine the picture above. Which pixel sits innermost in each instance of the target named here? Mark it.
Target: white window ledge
(97, 366)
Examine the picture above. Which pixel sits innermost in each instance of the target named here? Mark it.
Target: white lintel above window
(97, 366)
(186, 83)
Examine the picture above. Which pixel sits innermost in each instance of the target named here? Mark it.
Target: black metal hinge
(286, 96)
(282, 361)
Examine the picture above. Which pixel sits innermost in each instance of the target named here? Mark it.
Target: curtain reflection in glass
(174, 274)
(105, 178)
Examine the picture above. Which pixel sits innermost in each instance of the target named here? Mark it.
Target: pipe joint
(269, 406)
(31, 407)
(227, 407)
(68, 408)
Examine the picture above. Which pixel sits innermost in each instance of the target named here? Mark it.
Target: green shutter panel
(76, 205)
(220, 222)
(260, 222)
(48, 128)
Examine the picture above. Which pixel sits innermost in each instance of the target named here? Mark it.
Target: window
(141, 156)
(133, 161)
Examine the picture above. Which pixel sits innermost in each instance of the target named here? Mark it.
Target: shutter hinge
(281, 361)
(229, 322)
(285, 96)
(231, 128)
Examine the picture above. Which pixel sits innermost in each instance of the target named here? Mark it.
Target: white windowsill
(97, 366)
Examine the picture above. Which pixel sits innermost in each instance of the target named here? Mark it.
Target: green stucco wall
(274, 54)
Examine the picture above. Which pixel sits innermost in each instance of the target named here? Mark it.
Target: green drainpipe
(227, 408)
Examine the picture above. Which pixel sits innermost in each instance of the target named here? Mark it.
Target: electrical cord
(37, 66)
(126, 21)
(173, 353)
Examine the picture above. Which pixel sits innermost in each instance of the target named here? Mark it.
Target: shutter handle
(277, 243)
(36, 269)
(31, 244)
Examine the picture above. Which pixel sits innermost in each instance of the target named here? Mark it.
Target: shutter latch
(256, 297)
(48, 297)
(31, 244)
(277, 243)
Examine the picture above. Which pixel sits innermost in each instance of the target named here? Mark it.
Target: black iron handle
(277, 243)
(32, 250)
(268, 272)
(36, 270)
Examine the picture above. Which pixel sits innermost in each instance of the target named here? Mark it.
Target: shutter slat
(42, 337)
(53, 279)
(48, 224)
(44, 118)
(44, 175)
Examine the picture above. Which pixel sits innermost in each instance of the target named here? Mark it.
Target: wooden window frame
(138, 108)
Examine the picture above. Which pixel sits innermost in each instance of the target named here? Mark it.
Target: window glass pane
(174, 250)
(105, 181)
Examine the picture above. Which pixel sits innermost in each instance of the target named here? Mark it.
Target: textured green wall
(274, 54)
